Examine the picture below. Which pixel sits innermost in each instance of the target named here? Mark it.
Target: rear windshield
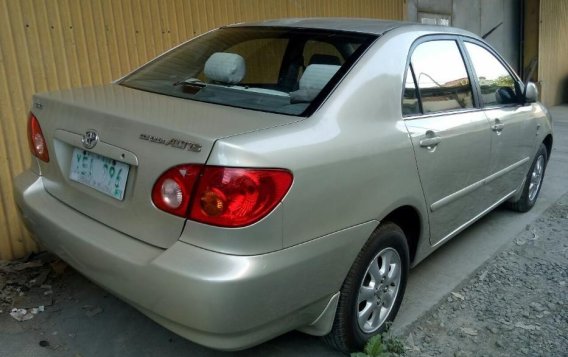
(279, 70)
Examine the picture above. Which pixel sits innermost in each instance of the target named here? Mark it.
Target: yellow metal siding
(553, 51)
(531, 26)
(54, 44)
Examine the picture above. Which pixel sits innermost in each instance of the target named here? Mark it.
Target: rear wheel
(372, 292)
(533, 182)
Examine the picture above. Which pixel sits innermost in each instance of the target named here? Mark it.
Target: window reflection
(442, 77)
(496, 83)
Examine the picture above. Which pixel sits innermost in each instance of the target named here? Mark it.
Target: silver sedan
(282, 175)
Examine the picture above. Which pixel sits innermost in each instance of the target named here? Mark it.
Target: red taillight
(38, 146)
(172, 191)
(223, 196)
(236, 197)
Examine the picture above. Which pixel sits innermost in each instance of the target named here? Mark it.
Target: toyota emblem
(90, 139)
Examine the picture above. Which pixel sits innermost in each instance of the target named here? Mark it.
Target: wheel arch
(548, 144)
(409, 220)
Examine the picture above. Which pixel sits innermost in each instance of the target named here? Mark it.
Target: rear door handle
(498, 126)
(430, 142)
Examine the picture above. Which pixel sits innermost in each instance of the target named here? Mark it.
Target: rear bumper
(221, 301)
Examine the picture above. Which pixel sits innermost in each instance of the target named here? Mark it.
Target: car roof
(361, 25)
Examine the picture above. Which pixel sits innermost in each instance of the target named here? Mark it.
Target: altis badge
(175, 143)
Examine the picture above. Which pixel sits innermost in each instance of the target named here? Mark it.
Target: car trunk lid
(139, 132)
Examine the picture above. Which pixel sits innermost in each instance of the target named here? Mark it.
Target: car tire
(371, 284)
(533, 182)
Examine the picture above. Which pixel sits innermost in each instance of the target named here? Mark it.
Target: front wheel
(533, 182)
(372, 292)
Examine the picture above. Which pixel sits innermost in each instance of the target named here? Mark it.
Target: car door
(513, 127)
(450, 135)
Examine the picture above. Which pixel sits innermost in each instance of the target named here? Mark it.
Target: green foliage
(505, 81)
(375, 347)
(490, 86)
(394, 345)
(381, 346)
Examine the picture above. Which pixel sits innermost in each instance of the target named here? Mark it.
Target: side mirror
(531, 93)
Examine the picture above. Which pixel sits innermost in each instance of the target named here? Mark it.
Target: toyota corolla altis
(281, 175)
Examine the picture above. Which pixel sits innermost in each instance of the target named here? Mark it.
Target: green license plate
(99, 172)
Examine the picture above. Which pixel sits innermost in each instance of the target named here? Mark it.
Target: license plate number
(99, 172)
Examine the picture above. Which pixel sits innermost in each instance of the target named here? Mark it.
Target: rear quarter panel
(352, 160)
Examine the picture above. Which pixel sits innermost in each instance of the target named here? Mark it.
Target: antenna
(491, 31)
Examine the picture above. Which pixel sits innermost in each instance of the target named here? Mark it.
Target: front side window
(280, 70)
(441, 76)
(496, 83)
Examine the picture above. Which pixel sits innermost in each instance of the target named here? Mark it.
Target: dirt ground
(514, 305)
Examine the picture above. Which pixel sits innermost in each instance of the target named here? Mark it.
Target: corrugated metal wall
(530, 45)
(52, 44)
(553, 51)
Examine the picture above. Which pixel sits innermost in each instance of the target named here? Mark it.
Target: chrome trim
(468, 189)
(468, 223)
(90, 139)
(102, 148)
(441, 113)
(175, 143)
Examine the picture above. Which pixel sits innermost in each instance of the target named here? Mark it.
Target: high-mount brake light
(38, 146)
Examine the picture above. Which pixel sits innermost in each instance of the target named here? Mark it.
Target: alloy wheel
(379, 289)
(536, 178)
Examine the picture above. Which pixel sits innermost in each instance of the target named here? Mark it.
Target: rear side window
(410, 105)
(496, 83)
(441, 77)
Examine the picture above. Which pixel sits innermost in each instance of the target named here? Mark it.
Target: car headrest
(316, 76)
(319, 58)
(225, 68)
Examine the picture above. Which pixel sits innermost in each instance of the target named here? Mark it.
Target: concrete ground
(71, 329)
